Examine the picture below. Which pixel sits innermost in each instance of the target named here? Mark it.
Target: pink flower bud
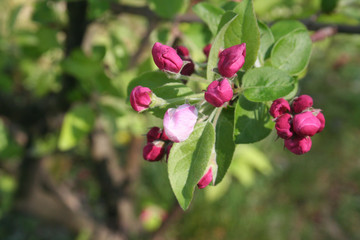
(140, 98)
(279, 107)
(164, 137)
(182, 51)
(306, 124)
(153, 134)
(166, 58)
(206, 50)
(301, 103)
(154, 151)
(298, 145)
(283, 126)
(206, 179)
(231, 60)
(219, 92)
(188, 69)
(321, 118)
(179, 122)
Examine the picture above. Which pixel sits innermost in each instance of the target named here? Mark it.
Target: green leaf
(163, 87)
(210, 14)
(328, 6)
(266, 84)
(292, 52)
(266, 41)
(168, 9)
(244, 29)
(252, 121)
(78, 122)
(188, 162)
(224, 144)
(285, 27)
(217, 44)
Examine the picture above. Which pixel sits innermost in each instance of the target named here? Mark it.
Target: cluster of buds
(179, 122)
(296, 124)
(158, 144)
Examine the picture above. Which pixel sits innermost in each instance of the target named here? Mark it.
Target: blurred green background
(268, 193)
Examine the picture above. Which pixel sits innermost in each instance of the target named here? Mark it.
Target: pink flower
(166, 58)
(153, 134)
(179, 122)
(188, 69)
(231, 60)
(301, 103)
(154, 151)
(206, 179)
(140, 98)
(321, 118)
(306, 124)
(219, 92)
(283, 126)
(182, 51)
(298, 145)
(206, 50)
(279, 107)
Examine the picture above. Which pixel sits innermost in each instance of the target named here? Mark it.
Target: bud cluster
(297, 123)
(158, 144)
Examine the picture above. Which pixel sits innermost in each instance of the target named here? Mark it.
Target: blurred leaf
(252, 121)
(266, 41)
(281, 28)
(224, 143)
(43, 13)
(168, 9)
(78, 122)
(98, 8)
(248, 159)
(244, 29)
(210, 14)
(13, 17)
(328, 6)
(217, 44)
(292, 52)
(215, 193)
(188, 161)
(98, 52)
(266, 84)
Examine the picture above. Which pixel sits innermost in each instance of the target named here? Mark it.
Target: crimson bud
(219, 92)
(301, 103)
(306, 124)
(140, 98)
(298, 145)
(206, 179)
(166, 58)
(283, 126)
(231, 60)
(154, 151)
(279, 107)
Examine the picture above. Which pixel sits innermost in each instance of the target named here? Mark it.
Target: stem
(218, 112)
(193, 97)
(194, 79)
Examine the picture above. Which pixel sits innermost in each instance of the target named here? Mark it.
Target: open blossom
(231, 60)
(166, 58)
(206, 179)
(140, 98)
(306, 124)
(179, 122)
(301, 103)
(219, 92)
(279, 107)
(154, 151)
(283, 126)
(298, 145)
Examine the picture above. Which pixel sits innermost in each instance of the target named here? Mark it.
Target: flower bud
(154, 151)
(153, 134)
(283, 126)
(206, 50)
(166, 58)
(321, 118)
(231, 60)
(179, 122)
(306, 124)
(219, 92)
(188, 69)
(279, 107)
(140, 98)
(298, 145)
(164, 137)
(301, 103)
(206, 179)
(182, 51)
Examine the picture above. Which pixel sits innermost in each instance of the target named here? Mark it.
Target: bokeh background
(58, 59)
